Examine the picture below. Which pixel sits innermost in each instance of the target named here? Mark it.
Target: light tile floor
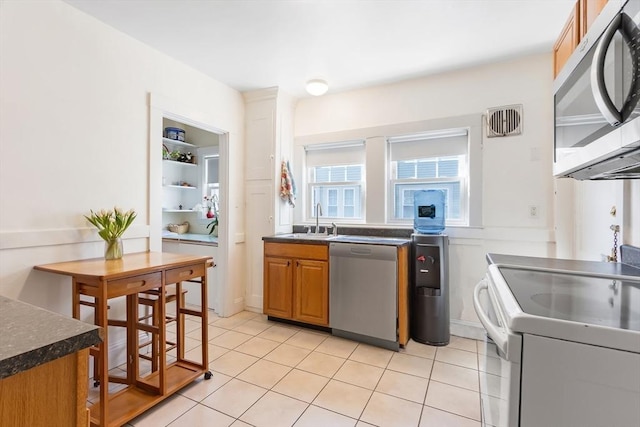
(272, 374)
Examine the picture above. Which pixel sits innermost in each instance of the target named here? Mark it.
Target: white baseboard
(466, 329)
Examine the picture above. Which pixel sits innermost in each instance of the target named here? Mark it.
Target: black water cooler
(430, 289)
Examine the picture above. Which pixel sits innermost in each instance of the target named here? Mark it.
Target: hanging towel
(287, 185)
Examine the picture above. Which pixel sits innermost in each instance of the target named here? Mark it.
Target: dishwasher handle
(360, 250)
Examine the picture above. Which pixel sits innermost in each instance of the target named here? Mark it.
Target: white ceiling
(253, 44)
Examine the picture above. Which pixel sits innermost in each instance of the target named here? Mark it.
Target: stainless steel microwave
(596, 97)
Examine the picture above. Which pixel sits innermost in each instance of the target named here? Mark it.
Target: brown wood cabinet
(296, 282)
(52, 394)
(578, 23)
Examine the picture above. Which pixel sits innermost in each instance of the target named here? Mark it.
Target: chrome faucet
(335, 228)
(318, 213)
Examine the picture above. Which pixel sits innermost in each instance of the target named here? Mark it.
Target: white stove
(567, 347)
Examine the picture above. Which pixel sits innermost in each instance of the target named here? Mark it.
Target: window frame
(463, 178)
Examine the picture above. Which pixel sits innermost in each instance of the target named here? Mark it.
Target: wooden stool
(151, 299)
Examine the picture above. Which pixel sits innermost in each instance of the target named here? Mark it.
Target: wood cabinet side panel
(403, 295)
(311, 292)
(46, 395)
(278, 274)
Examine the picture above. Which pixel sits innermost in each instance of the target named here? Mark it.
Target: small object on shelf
(174, 133)
(179, 228)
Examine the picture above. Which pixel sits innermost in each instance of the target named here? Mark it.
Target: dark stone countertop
(346, 234)
(31, 336)
(595, 267)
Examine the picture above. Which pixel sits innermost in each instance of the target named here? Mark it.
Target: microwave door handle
(598, 87)
(495, 332)
(631, 36)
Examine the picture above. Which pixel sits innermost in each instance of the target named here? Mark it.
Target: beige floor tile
(412, 365)
(454, 356)
(337, 347)
(230, 339)
(201, 388)
(455, 375)
(465, 344)
(164, 413)
(371, 355)
(278, 333)
(321, 364)
(258, 347)
(252, 327)
(288, 355)
(202, 416)
(320, 417)
(191, 325)
(232, 363)
(301, 385)
(264, 373)
(453, 399)
(308, 340)
(432, 417)
(247, 315)
(234, 398)
(229, 322)
(343, 398)
(215, 352)
(359, 374)
(388, 411)
(415, 348)
(488, 348)
(405, 386)
(239, 423)
(190, 343)
(490, 364)
(274, 410)
(212, 332)
(363, 424)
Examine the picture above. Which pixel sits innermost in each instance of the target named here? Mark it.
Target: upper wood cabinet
(582, 16)
(589, 11)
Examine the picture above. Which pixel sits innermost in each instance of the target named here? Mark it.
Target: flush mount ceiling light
(317, 87)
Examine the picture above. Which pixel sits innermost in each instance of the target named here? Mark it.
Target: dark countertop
(31, 336)
(609, 268)
(325, 240)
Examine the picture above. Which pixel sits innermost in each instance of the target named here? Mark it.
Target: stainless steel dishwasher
(363, 303)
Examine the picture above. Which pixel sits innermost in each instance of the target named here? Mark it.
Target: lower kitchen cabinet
(296, 282)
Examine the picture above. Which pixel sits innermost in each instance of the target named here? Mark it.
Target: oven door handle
(495, 332)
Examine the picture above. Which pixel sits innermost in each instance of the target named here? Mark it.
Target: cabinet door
(568, 40)
(278, 275)
(589, 11)
(311, 292)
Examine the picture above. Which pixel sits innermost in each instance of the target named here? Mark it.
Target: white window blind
(430, 160)
(335, 177)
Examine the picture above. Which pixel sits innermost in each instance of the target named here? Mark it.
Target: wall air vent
(504, 121)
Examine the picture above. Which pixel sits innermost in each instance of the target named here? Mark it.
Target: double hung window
(433, 160)
(335, 179)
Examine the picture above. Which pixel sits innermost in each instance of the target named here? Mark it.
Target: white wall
(74, 136)
(516, 170)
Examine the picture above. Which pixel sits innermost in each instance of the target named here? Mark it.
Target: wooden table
(133, 274)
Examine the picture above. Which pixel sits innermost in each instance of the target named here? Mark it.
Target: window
(335, 177)
(434, 160)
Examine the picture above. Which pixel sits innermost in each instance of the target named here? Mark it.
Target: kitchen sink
(368, 239)
(305, 236)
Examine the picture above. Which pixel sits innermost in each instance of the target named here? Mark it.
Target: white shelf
(186, 187)
(180, 163)
(179, 210)
(176, 142)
